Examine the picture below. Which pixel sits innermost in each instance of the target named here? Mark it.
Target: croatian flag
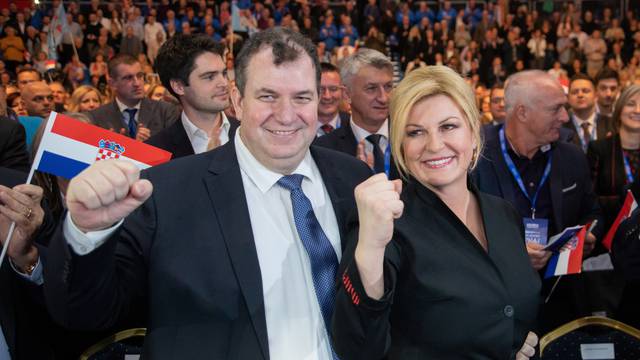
(68, 146)
(569, 259)
(628, 206)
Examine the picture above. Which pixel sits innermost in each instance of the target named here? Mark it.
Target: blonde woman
(436, 270)
(85, 98)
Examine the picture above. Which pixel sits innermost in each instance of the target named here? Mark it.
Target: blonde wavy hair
(78, 94)
(423, 83)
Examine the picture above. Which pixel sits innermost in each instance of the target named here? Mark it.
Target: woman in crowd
(615, 161)
(14, 101)
(84, 98)
(449, 278)
(157, 92)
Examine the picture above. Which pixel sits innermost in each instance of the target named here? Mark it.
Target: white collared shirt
(591, 120)
(122, 107)
(335, 123)
(361, 134)
(199, 139)
(294, 321)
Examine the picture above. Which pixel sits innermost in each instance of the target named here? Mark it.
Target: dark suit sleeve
(13, 153)
(625, 248)
(588, 207)
(106, 286)
(360, 326)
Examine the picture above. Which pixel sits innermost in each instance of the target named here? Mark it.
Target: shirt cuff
(83, 243)
(36, 275)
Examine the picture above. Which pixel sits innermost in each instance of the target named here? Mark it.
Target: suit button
(508, 311)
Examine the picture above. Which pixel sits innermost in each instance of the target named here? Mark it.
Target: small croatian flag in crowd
(569, 259)
(628, 206)
(68, 146)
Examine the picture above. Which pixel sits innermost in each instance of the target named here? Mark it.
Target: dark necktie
(322, 256)
(326, 128)
(378, 156)
(586, 133)
(133, 125)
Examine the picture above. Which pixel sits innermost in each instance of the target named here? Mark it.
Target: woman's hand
(379, 204)
(22, 206)
(528, 349)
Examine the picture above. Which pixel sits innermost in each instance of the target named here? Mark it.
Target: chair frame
(585, 321)
(121, 335)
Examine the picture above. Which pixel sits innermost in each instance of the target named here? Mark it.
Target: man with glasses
(131, 113)
(368, 79)
(497, 104)
(331, 95)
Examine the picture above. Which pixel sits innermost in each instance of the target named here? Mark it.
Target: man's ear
(521, 112)
(177, 86)
(236, 101)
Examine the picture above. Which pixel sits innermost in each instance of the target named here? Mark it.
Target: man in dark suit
(24, 323)
(584, 120)
(131, 113)
(194, 71)
(224, 246)
(527, 153)
(13, 145)
(368, 79)
(607, 90)
(331, 96)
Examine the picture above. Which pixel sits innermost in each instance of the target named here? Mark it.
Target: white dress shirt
(125, 115)
(199, 139)
(591, 120)
(335, 123)
(361, 133)
(294, 321)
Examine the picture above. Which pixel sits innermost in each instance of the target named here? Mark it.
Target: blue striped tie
(133, 125)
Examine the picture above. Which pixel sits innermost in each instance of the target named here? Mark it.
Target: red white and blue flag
(628, 206)
(68, 146)
(569, 259)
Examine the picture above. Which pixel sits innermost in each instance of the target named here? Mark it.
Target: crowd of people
(318, 206)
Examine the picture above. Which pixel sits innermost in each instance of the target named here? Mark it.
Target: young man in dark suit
(131, 113)
(368, 79)
(235, 250)
(331, 96)
(529, 150)
(192, 67)
(584, 120)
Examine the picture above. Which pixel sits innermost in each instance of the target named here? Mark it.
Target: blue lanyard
(387, 159)
(518, 178)
(627, 168)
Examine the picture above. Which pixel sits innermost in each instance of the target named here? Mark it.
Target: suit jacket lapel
(504, 177)
(145, 115)
(334, 184)
(349, 139)
(180, 139)
(224, 185)
(117, 119)
(555, 188)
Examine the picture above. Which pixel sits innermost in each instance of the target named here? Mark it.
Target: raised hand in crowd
(105, 193)
(143, 133)
(22, 205)
(379, 204)
(361, 154)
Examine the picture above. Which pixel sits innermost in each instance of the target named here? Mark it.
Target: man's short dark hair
(176, 57)
(326, 67)
(286, 46)
(119, 60)
(581, 76)
(607, 73)
(31, 70)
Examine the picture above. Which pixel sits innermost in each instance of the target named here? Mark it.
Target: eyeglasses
(497, 100)
(331, 89)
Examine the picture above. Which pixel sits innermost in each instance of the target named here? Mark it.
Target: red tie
(327, 128)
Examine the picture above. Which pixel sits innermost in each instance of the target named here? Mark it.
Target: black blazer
(155, 115)
(604, 128)
(625, 254)
(188, 255)
(13, 145)
(344, 140)
(174, 139)
(609, 178)
(445, 296)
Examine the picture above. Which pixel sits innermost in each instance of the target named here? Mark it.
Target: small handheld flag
(569, 259)
(628, 206)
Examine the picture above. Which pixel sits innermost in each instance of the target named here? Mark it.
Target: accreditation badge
(536, 230)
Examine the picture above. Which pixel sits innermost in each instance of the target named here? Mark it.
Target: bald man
(38, 99)
(546, 179)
